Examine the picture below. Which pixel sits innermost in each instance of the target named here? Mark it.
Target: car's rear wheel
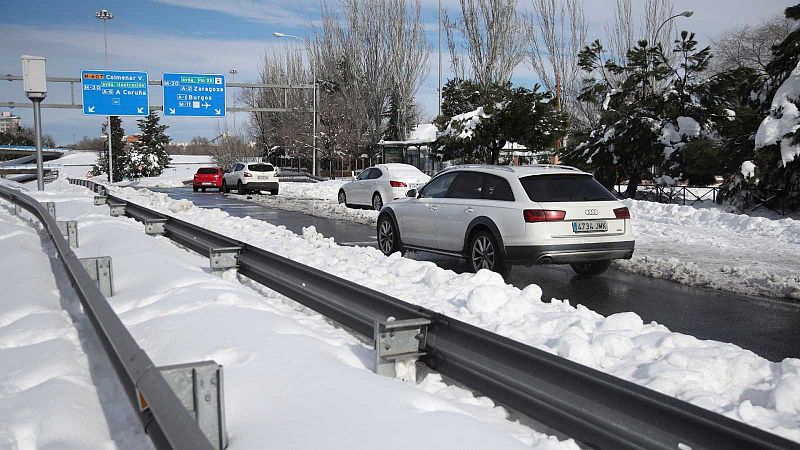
(194, 188)
(590, 268)
(484, 253)
(240, 188)
(203, 189)
(388, 237)
(342, 197)
(377, 201)
(274, 192)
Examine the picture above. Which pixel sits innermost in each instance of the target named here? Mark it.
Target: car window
(497, 188)
(375, 174)
(207, 170)
(565, 188)
(261, 167)
(238, 167)
(364, 175)
(467, 185)
(437, 188)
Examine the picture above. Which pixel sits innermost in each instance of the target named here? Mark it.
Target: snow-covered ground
(718, 376)
(182, 168)
(57, 388)
(699, 247)
(285, 366)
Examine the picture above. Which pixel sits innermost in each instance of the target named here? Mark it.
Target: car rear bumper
(207, 183)
(262, 185)
(569, 253)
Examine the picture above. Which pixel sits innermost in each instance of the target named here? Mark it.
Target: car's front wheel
(388, 237)
(590, 268)
(377, 202)
(484, 253)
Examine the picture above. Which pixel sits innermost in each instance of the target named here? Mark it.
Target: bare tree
(231, 148)
(749, 46)
(619, 33)
(492, 35)
(622, 32)
(558, 33)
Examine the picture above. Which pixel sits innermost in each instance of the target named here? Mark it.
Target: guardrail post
(51, 209)
(222, 258)
(117, 209)
(99, 270)
(69, 228)
(154, 227)
(17, 209)
(398, 340)
(100, 200)
(199, 387)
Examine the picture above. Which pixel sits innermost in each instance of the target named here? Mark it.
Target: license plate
(208, 184)
(262, 178)
(590, 226)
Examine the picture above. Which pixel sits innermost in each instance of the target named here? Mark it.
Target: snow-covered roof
(424, 133)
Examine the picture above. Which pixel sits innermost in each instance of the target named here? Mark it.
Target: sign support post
(34, 80)
(110, 155)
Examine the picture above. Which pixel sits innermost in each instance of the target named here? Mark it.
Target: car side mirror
(412, 193)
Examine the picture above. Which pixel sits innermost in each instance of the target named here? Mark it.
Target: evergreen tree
(477, 121)
(117, 149)
(773, 174)
(149, 156)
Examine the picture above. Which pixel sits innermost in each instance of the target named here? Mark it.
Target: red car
(207, 177)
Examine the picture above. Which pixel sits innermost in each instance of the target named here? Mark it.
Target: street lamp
(314, 120)
(688, 13)
(106, 15)
(233, 73)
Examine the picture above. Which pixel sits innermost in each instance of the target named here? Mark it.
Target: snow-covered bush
(149, 156)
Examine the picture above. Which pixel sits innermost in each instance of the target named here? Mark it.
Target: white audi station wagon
(495, 216)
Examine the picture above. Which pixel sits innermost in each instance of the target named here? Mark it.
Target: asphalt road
(769, 327)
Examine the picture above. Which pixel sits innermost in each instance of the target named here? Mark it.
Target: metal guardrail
(593, 407)
(167, 421)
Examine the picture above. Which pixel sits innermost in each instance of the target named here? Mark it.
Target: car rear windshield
(565, 188)
(406, 173)
(260, 167)
(207, 170)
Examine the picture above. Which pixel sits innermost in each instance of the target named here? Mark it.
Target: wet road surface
(769, 327)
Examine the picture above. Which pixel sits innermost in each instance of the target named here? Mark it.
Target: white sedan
(381, 184)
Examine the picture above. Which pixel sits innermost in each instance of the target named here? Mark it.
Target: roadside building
(9, 122)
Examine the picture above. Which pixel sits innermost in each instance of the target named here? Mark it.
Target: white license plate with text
(590, 226)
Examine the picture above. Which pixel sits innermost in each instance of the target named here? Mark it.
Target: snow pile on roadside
(711, 248)
(718, 376)
(55, 383)
(317, 199)
(285, 366)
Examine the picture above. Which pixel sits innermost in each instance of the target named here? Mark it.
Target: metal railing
(687, 195)
(166, 421)
(593, 407)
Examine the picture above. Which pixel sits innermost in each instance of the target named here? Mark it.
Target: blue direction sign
(114, 93)
(194, 94)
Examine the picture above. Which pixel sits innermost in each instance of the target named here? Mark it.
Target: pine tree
(117, 149)
(149, 156)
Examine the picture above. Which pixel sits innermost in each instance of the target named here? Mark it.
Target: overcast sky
(214, 36)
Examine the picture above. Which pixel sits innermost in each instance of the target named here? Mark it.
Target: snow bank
(52, 393)
(285, 366)
(718, 376)
(716, 249)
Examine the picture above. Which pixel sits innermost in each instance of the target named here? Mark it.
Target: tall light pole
(688, 13)
(233, 73)
(106, 15)
(440, 57)
(314, 76)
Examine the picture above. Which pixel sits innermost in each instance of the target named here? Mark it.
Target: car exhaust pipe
(545, 260)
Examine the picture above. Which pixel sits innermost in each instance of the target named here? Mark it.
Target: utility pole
(34, 80)
(106, 15)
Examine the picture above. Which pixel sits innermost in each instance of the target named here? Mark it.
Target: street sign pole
(110, 153)
(34, 80)
(37, 124)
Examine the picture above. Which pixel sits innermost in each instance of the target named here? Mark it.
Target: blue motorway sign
(114, 93)
(194, 94)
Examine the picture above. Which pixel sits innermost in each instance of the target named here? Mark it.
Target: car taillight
(543, 215)
(248, 174)
(398, 184)
(622, 213)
